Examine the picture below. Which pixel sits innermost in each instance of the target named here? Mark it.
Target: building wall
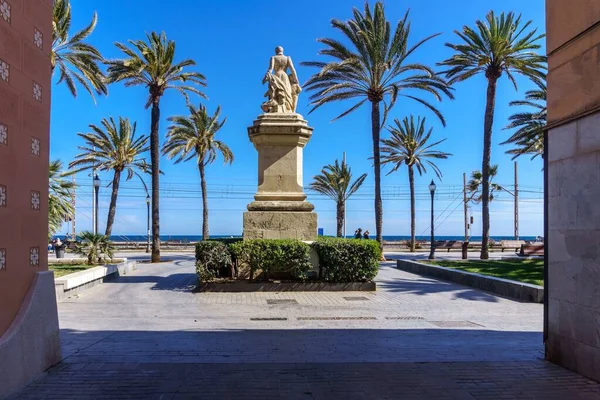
(25, 43)
(573, 170)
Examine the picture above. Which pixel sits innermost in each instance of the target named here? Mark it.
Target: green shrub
(347, 260)
(212, 260)
(273, 257)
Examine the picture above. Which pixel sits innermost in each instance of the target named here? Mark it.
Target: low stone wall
(77, 282)
(515, 290)
(240, 287)
(75, 261)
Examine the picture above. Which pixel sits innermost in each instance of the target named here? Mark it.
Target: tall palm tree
(112, 148)
(335, 182)
(193, 136)
(77, 61)
(529, 137)
(410, 145)
(499, 45)
(151, 64)
(60, 194)
(474, 186)
(374, 68)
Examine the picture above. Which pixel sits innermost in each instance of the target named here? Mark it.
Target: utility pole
(516, 203)
(465, 207)
(344, 161)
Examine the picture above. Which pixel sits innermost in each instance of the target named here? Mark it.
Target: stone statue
(283, 88)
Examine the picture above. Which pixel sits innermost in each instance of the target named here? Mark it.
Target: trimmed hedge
(340, 260)
(347, 260)
(277, 256)
(212, 260)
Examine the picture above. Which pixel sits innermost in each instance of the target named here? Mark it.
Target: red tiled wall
(25, 82)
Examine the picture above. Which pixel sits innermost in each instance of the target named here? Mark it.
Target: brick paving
(148, 336)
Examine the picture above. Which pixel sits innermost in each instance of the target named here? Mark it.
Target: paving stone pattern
(147, 336)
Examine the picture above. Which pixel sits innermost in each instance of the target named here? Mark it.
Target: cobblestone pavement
(146, 335)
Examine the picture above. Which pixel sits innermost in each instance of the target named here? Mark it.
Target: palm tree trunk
(341, 210)
(485, 167)
(411, 181)
(375, 128)
(112, 209)
(205, 235)
(155, 159)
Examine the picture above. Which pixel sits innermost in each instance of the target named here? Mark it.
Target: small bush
(282, 258)
(347, 260)
(212, 260)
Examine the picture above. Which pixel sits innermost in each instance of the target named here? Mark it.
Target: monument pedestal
(280, 209)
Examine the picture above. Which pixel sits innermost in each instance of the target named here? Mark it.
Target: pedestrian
(358, 234)
(366, 235)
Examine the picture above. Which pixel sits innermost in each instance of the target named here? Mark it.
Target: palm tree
(193, 136)
(335, 183)
(373, 68)
(95, 247)
(410, 145)
(150, 64)
(529, 138)
(475, 185)
(77, 61)
(60, 194)
(500, 45)
(112, 148)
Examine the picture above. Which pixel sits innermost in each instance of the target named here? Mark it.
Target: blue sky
(231, 42)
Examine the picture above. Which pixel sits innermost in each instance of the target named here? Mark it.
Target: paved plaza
(147, 336)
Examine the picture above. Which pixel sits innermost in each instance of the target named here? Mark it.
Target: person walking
(366, 235)
(358, 234)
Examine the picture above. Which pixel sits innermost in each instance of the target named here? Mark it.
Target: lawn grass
(527, 271)
(66, 269)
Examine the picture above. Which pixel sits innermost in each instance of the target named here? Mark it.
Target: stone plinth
(280, 209)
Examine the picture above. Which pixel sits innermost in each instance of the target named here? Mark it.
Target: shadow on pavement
(307, 363)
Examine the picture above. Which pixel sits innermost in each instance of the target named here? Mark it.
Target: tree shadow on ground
(425, 286)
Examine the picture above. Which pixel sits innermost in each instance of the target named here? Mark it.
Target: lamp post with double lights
(432, 250)
(97, 184)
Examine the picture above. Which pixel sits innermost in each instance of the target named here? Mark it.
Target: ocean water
(389, 238)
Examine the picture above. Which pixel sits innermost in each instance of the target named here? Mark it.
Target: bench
(511, 244)
(448, 244)
(531, 250)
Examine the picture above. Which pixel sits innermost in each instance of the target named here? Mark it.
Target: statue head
(278, 50)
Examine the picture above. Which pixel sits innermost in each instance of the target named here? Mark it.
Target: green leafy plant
(95, 247)
(277, 256)
(212, 260)
(60, 195)
(347, 260)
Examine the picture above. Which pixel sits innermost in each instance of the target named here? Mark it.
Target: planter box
(245, 286)
(512, 289)
(80, 281)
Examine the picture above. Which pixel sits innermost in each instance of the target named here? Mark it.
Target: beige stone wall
(25, 43)
(573, 168)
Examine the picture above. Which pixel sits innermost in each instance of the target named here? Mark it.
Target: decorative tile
(5, 10)
(4, 71)
(2, 196)
(3, 134)
(35, 200)
(34, 256)
(35, 146)
(2, 259)
(38, 38)
(37, 91)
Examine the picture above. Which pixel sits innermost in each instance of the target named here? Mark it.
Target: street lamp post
(96, 190)
(432, 250)
(148, 223)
